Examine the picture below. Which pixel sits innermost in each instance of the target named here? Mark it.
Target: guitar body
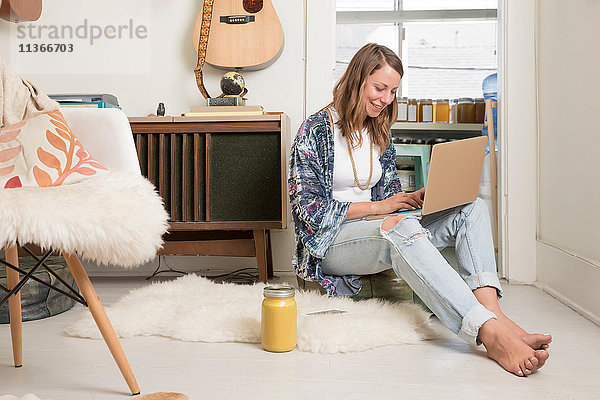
(20, 10)
(243, 34)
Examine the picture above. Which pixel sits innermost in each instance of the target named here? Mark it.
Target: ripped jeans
(411, 249)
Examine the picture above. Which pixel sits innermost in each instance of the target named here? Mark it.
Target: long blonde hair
(348, 93)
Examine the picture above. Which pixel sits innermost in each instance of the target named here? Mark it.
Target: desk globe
(232, 83)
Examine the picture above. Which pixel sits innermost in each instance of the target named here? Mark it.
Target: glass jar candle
(479, 110)
(413, 108)
(441, 111)
(278, 319)
(425, 113)
(402, 109)
(465, 110)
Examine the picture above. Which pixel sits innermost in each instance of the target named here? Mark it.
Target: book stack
(86, 100)
(208, 111)
(225, 101)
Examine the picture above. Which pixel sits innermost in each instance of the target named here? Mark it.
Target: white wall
(172, 57)
(518, 141)
(170, 79)
(320, 54)
(550, 196)
(569, 142)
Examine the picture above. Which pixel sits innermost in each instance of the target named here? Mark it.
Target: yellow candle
(278, 319)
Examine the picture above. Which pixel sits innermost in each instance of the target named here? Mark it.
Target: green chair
(420, 154)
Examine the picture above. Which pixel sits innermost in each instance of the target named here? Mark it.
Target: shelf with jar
(463, 110)
(436, 126)
(444, 118)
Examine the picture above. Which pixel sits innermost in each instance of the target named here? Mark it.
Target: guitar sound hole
(253, 6)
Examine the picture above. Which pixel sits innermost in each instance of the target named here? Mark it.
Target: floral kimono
(317, 216)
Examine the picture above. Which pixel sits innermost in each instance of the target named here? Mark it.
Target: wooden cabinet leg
(269, 256)
(14, 305)
(104, 325)
(261, 254)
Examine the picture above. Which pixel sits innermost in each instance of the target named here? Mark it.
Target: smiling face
(380, 90)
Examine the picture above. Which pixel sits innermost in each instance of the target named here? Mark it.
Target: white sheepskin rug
(192, 308)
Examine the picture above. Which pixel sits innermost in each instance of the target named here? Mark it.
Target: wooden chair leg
(261, 254)
(14, 305)
(104, 325)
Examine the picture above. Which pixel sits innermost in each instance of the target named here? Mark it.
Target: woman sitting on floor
(342, 169)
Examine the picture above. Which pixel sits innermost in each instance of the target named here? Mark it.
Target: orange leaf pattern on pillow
(56, 141)
(42, 178)
(42, 151)
(48, 159)
(64, 142)
(62, 128)
(9, 134)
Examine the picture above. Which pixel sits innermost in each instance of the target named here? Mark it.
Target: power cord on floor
(158, 271)
(242, 276)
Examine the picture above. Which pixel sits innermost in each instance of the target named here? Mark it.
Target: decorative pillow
(42, 151)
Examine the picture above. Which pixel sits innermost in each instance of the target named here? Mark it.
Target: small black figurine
(160, 111)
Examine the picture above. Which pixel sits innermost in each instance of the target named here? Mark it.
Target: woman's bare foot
(489, 298)
(537, 340)
(510, 351)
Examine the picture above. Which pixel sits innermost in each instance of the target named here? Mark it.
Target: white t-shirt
(344, 187)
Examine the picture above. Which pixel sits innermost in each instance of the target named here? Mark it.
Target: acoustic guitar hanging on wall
(243, 34)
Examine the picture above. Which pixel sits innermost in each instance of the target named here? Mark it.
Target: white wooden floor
(60, 367)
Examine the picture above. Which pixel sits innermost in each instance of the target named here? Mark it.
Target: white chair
(115, 218)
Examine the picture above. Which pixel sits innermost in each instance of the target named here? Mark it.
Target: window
(447, 47)
(370, 5)
(448, 5)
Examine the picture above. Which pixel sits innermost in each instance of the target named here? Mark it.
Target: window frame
(374, 17)
(399, 17)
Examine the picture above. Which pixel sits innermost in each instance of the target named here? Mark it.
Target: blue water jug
(490, 92)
